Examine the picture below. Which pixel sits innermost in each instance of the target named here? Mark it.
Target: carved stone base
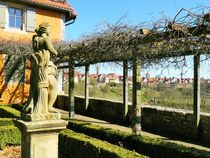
(40, 138)
(40, 117)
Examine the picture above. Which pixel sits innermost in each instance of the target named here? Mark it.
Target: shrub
(6, 121)
(77, 145)
(151, 147)
(8, 112)
(106, 134)
(18, 107)
(9, 135)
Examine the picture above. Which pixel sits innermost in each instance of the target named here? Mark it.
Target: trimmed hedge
(9, 135)
(77, 145)
(18, 107)
(8, 112)
(151, 147)
(6, 121)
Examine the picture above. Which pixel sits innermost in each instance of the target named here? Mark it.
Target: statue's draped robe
(42, 70)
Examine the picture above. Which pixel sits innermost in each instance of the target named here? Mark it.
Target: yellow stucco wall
(53, 18)
(42, 15)
(18, 92)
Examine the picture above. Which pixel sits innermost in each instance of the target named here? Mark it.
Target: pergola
(140, 47)
(186, 35)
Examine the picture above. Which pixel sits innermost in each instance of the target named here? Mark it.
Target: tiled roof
(56, 4)
(53, 4)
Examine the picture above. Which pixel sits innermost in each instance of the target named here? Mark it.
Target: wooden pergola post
(136, 102)
(125, 88)
(196, 98)
(87, 67)
(71, 89)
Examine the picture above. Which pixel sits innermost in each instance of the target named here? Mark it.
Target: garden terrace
(188, 33)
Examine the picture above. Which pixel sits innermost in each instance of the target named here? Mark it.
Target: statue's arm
(50, 47)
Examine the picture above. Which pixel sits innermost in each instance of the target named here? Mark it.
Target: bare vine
(188, 33)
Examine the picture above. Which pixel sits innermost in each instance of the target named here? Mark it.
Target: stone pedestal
(40, 138)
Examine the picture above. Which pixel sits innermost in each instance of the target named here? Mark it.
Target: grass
(175, 96)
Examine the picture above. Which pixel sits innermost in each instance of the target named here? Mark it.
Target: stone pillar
(136, 101)
(125, 88)
(40, 138)
(71, 89)
(87, 67)
(60, 81)
(196, 98)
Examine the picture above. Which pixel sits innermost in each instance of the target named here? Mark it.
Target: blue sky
(93, 13)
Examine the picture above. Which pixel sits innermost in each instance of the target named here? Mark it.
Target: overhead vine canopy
(187, 33)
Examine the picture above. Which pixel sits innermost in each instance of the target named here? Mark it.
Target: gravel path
(127, 129)
(10, 152)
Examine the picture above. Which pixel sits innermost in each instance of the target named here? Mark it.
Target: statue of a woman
(43, 84)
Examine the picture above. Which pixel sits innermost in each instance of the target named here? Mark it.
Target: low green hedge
(107, 134)
(6, 121)
(8, 112)
(9, 135)
(77, 145)
(151, 147)
(18, 107)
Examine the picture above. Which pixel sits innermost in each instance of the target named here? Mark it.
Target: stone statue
(43, 84)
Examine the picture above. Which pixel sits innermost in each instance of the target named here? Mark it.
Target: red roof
(61, 5)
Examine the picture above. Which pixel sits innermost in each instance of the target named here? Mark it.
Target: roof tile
(56, 4)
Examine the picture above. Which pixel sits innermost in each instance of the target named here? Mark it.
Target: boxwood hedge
(9, 135)
(77, 145)
(151, 147)
(8, 112)
(6, 121)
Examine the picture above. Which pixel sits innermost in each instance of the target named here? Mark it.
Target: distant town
(117, 79)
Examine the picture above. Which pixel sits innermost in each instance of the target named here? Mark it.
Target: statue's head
(43, 28)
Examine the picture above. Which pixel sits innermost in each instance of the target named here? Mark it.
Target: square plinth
(40, 138)
(40, 117)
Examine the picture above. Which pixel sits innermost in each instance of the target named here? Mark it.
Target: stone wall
(98, 108)
(167, 121)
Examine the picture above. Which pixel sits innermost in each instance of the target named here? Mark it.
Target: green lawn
(161, 95)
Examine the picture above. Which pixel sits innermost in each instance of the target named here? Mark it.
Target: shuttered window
(31, 20)
(15, 18)
(21, 18)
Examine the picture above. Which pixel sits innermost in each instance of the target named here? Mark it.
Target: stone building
(18, 20)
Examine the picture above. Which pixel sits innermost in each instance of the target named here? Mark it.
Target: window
(15, 18)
